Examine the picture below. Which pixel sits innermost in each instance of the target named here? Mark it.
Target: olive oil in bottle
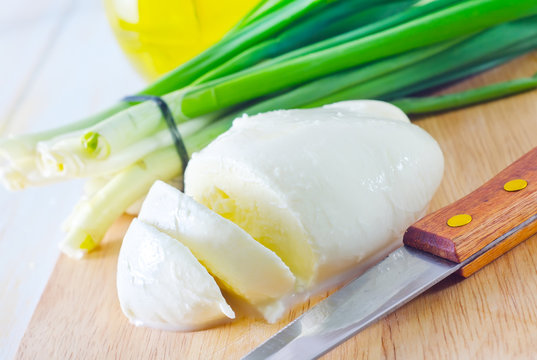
(159, 35)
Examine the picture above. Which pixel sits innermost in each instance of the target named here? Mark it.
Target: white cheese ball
(242, 265)
(326, 189)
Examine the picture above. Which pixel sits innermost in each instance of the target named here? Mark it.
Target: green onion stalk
(284, 54)
(129, 126)
(93, 216)
(89, 154)
(259, 81)
(314, 28)
(111, 196)
(466, 98)
(474, 50)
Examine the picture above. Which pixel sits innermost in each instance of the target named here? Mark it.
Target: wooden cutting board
(491, 315)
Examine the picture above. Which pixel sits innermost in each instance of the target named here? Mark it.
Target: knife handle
(504, 206)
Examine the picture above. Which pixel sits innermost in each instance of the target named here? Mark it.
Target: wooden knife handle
(500, 207)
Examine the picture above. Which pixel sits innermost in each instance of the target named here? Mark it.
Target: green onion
(283, 54)
(376, 18)
(19, 158)
(262, 9)
(96, 155)
(249, 84)
(319, 89)
(94, 214)
(298, 35)
(440, 26)
(467, 53)
(462, 73)
(465, 98)
(358, 32)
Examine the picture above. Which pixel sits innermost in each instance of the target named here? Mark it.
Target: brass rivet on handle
(515, 185)
(459, 220)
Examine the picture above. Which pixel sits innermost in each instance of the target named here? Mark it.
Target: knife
(460, 238)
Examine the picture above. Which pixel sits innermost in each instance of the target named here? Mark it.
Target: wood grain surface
(494, 213)
(491, 315)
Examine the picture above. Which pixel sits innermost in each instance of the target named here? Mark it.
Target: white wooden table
(59, 62)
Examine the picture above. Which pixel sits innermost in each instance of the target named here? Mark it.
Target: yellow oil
(159, 35)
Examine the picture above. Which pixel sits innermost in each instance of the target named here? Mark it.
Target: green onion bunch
(283, 54)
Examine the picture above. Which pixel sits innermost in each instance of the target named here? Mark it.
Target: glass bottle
(159, 35)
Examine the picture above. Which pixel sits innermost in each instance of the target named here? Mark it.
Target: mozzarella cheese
(242, 265)
(161, 284)
(324, 188)
(282, 205)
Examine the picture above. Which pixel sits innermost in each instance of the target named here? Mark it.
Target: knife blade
(462, 237)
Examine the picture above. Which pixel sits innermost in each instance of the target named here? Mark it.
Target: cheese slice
(160, 283)
(242, 265)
